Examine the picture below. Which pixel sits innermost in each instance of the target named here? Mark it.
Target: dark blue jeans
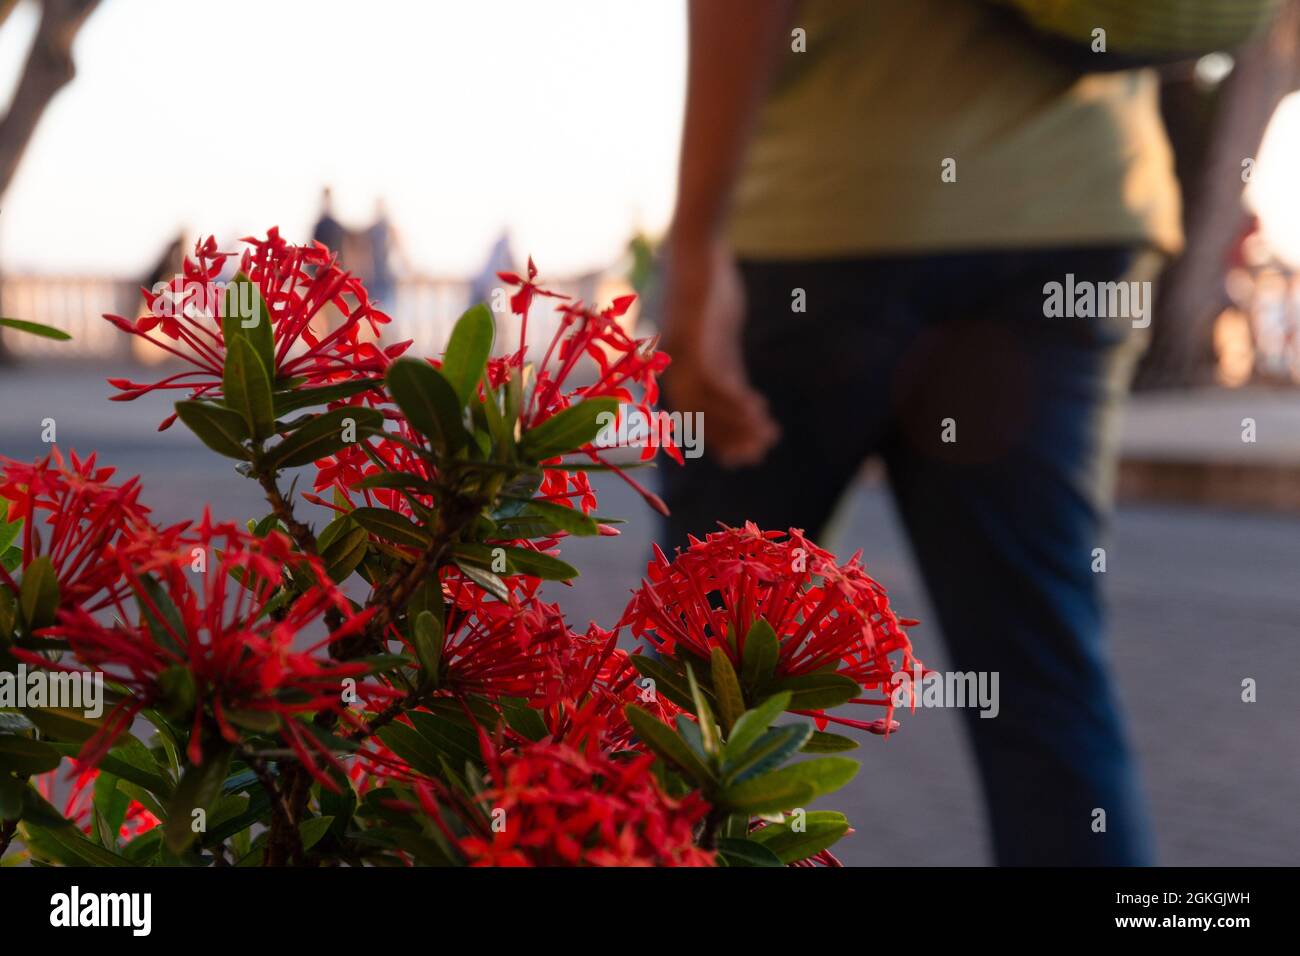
(1003, 521)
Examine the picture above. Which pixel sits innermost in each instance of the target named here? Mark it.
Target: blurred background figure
(383, 256)
(858, 267)
(328, 231)
(500, 258)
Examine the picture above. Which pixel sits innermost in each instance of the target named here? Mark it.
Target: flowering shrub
(391, 687)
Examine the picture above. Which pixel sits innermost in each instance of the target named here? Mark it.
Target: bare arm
(734, 46)
(733, 49)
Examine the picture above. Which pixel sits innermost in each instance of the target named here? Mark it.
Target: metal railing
(424, 310)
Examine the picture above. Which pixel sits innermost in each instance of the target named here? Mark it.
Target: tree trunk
(1210, 159)
(47, 70)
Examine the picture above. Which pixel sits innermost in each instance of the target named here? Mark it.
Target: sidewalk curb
(1263, 486)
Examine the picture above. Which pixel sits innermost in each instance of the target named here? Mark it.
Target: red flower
(826, 616)
(220, 652)
(522, 301)
(561, 805)
(621, 361)
(497, 649)
(73, 516)
(296, 283)
(595, 692)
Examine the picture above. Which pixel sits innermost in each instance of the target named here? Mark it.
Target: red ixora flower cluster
(826, 615)
(297, 283)
(566, 805)
(76, 518)
(621, 361)
(521, 648)
(240, 642)
(217, 646)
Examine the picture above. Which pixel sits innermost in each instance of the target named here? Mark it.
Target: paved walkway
(1230, 448)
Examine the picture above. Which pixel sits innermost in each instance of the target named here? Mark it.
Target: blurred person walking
(382, 252)
(328, 231)
(874, 200)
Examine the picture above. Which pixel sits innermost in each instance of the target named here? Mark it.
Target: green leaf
(428, 638)
(291, 401)
(411, 747)
(397, 481)
(816, 691)
(259, 721)
(467, 351)
(14, 724)
(821, 830)
(35, 328)
(823, 743)
(12, 791)
(770, 751)
(221, 429)
(66, 845)
(391, 526)
(451, 736)
(198, 788)
(501, 431)
(38, 810)
(566, 519)
(700, 707)
(345, 551)
(258, 804)
(486, 580)
(247, 388)
(131, 761)
(254, 857)
(258, 333)
(731, 702)
(341, 806)
(523, 719)
(429, 402)
(25, 757)
(311, 831)
(789, 787)
(161, 615)
(669, 682)
(323, 436)
(8, 614)
(109, 805)
(689, 731)
(38, 595)
(567, 430)
(762, 795)
(65, 724)
(8, 529)
(518, 560)
(741, 852)
(753, 723)
(762, 650)
(660, 738)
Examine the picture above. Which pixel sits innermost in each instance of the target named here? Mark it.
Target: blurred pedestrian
(874, 200)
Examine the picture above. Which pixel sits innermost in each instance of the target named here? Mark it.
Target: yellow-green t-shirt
(912, 126)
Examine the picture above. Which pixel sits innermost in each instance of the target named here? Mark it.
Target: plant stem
(709, 835)
(284, 844)
(7, 831)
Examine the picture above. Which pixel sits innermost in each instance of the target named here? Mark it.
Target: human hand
(704, 305)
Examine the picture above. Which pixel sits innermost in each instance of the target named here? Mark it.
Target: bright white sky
(1274, 191)
(559, 120)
